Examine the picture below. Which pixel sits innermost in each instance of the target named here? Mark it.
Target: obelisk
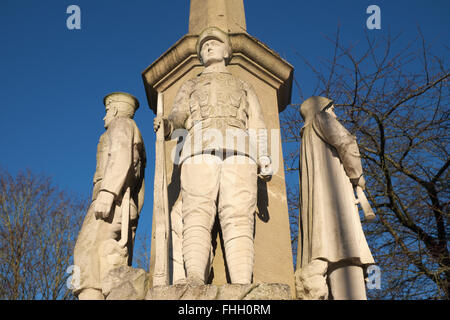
(271, 78)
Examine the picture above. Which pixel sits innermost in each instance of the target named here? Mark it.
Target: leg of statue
(346, 281)
(237, 205)
(199, 188)
(88, 253)
(111, 254)
(86, 260)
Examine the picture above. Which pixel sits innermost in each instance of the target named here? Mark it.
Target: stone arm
(335, 134)
(180, 109)
(139, 164)
(256, 122)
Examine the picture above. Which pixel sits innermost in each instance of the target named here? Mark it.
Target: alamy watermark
(374, 277)
(374, 20)
(253, 143)
(73, 21)
(73, 281)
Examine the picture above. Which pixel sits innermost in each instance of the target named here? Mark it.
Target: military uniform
(219, 109)
(226, 136)
(121, 163)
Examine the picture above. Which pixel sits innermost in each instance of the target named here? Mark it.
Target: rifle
(161, 207)
(125, 218)
(362, 200)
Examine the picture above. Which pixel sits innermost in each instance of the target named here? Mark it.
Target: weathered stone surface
(256, 291)
(310, 281)
(235, 291)
(200, 293)
(269, 291)
(125, 291)
(125, 283)
(174, 292)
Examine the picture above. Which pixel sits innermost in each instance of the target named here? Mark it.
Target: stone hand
(103, 205)
(157, 123)
(266, 171)
(359, 182)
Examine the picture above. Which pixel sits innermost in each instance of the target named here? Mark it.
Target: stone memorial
(220, 226)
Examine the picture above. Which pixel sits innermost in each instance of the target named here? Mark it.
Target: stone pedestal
(126, 283)
(255, 291)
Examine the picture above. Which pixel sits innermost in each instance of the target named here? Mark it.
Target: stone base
(127, 283)
(254, 291)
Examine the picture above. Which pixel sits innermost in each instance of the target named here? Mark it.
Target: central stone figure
(224, 150)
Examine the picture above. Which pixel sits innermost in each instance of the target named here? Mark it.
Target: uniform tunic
(221, 110)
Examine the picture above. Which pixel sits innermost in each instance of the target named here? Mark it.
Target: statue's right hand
(157, 123)
(361, 182)
(103, 204)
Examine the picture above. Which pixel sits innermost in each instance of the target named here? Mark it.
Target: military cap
(213, 33)
(121, 97)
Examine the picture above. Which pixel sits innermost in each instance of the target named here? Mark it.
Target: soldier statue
(107, 235)
(332, 239)
(218, 177)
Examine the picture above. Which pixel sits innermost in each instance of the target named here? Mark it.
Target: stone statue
(332, 245)
(218, 175)
(106, 239)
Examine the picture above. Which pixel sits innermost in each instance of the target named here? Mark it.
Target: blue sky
(53, 80)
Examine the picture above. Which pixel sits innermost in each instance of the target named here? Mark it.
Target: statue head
(213, 45)
(119, 104)
(313, 105)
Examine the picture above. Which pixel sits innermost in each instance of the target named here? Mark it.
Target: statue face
(213, 51)
(110, 115)
(330, 111)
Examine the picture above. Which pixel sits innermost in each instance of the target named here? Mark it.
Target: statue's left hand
(361, 182)
(103, 204)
